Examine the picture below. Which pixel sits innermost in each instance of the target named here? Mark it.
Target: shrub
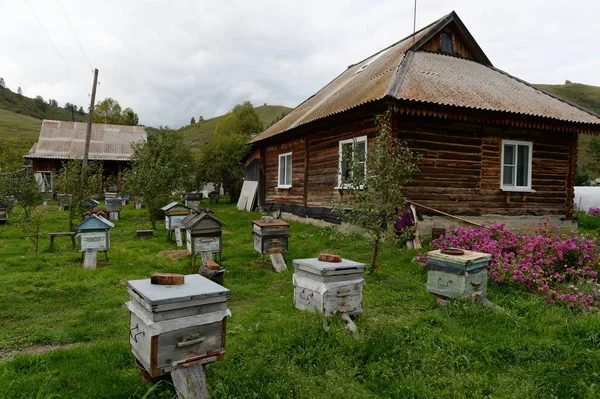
(563, 267)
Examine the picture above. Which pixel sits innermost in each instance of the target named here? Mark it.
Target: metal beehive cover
(466, 259)
(194, 287)
(314, 265)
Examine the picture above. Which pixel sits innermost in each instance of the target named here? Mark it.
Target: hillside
(584, 95)
(200, 133)
(18, 131)
(23, 105)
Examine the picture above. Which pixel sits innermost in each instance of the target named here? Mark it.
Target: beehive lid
(273, 223)
(466, 259)
(194, 287)
(94, 222)
(175, 206)
(315, 266)
(193, 219)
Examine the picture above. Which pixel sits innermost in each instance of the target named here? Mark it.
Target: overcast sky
(171, 60)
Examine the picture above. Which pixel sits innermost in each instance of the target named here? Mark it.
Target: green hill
(200, 132)
(18, 131)
(585, 95)
(35, 108)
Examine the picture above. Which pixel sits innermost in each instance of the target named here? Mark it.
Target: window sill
(349, 188)
(517, 189)
(283, 187)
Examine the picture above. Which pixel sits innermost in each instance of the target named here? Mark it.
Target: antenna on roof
(415, 21)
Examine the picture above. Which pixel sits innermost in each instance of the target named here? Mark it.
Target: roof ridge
(401, 72)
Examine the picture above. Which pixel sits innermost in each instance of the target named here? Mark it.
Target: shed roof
(66, 140)
(403, 72)
(194, 218)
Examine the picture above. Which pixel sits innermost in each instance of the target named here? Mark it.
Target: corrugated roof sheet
(65, 140)
(430, 78)
(447, 80)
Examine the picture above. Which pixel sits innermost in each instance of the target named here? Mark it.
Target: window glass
(285, 170)
(509, 172)
(509, 154)
(523, 165)
(516, 170)
(353, 151)
(288, 170)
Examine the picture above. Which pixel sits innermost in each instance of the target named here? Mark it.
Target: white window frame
(283, 184)
(353, 140)
(516, 188)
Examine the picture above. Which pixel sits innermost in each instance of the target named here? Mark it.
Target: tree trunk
(375, 252)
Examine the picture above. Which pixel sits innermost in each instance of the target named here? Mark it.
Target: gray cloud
(172, 61)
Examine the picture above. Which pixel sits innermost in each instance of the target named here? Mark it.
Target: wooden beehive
(94, 234)
(203, 233)
(113, 204)
(174, 214)
(457, 276)
(192, 200)
(270, 237)
(3, 215)
(328, 287)
(174, 324)
(64, 201)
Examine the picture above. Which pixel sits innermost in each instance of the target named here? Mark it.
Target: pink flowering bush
(563, 267)
(594, 211)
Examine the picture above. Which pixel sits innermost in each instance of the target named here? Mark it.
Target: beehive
(174, 324)
(457, 276)
(192, 200)
(3, 215)
(174, 214)
(203, 233)
(113, 204)
(94, 234)
(328, 287)
(271, 236)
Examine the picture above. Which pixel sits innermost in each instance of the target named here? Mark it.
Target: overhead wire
(50, 38)
(66, 16)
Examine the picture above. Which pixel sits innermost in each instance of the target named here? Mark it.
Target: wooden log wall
(459, 172)
(459, 48)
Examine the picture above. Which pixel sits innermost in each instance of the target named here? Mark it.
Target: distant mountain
(37, 107)
(585, 95)
(200, 132)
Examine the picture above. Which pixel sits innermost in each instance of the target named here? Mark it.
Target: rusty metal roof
(446, 80)
(66, 140)
(402, 72)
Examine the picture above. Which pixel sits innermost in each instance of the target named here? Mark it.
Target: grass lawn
(64, 333)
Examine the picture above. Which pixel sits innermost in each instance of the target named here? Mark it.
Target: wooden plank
(278, 262)
(178, 237)
(190, 382)
(89, 259)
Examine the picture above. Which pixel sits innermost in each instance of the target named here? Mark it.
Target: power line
(49, 38)
(66, 16)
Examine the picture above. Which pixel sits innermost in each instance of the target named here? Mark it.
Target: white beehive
(174, 324)
(328, 287)
(174, 214)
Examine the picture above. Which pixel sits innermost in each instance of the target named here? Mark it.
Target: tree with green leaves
(2, 83)
(220, 158)
(192, 121)
(372, 187)
(19, 91)
(19, 187)
(81, 111)
(40, 103)
(80, 183)
(201, 119)
(109, 111)
(11, 160)
(162, 165)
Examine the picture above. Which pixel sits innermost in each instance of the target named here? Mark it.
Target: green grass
(14, 102)
(408, 346)
(201, 132)
(19, 132)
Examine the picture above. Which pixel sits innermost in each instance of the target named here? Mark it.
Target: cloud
(172, 61)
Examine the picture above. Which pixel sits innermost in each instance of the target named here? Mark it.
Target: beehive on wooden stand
(192, 200)
(203, 233)
(175, 325)
(94, 236)
(270, 235)
(174, 214)
(64, 201)
(328, 287)
(113, 206)
(454, 273)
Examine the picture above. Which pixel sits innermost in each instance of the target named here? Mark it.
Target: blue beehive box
(94, 234)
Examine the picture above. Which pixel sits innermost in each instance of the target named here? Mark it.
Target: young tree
(200, 119)
(80, 183)
(81, 111)
(40, 103)
(372, 188)
(192, 121)
(160, 166)
(20, 91)
(2, 83)
(19, 187)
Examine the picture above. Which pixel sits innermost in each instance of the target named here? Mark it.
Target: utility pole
(88, 132)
